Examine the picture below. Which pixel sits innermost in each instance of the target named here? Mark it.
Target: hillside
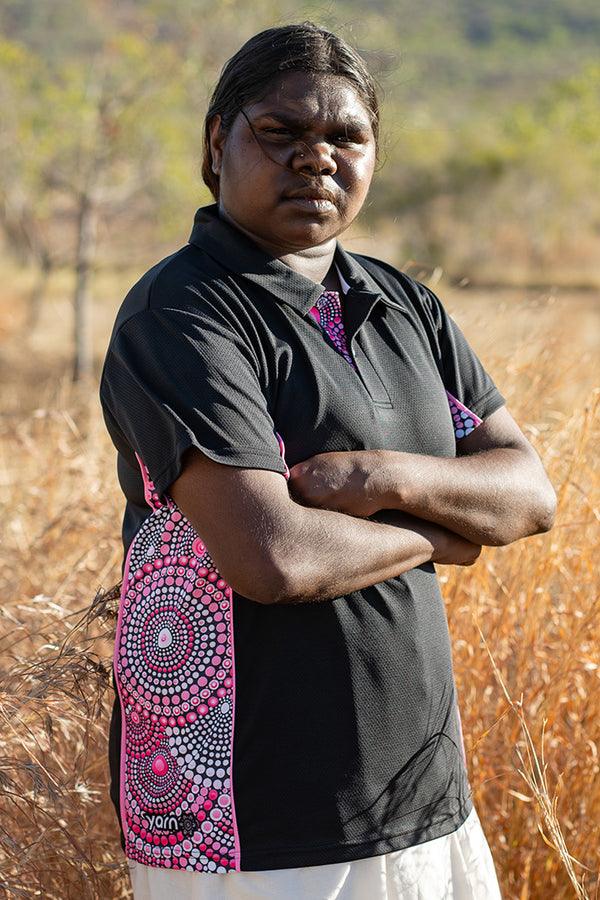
(490, 120)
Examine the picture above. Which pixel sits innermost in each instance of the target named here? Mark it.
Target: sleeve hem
(490, 403)
(227, 457)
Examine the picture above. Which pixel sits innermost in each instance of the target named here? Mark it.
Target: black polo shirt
(346, 741)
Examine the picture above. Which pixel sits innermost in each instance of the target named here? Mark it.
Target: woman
(286, 724)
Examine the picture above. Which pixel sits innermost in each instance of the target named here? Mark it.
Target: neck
(312, 262)
(315, 263)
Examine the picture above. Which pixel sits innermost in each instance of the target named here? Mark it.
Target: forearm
(492, 497)
(274, 550)
(315, 555)
(494, 493)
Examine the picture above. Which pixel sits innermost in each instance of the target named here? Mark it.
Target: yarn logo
(186, 823)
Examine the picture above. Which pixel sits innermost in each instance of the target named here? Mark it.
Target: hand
(346, 482)
(448, 548)
(456, 551)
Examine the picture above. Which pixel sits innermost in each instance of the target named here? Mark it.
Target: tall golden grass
(525, 623)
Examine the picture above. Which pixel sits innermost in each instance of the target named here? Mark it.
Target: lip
(312, 203)
(311, 193)
(311, 198)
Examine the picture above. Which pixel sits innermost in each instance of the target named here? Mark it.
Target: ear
(218, 136)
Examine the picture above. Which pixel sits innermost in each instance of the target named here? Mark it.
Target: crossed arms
(345, 521)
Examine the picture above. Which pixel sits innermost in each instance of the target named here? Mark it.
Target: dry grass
(530, 707)
(60, 542)
(525, 624)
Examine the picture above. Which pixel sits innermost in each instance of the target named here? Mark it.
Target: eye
(349, 137)
(278, 133)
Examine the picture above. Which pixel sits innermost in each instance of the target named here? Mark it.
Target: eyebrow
(292, 121)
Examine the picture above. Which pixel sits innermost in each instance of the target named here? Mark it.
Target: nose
(314, 157)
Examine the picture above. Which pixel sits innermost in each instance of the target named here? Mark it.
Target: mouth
(312, 198)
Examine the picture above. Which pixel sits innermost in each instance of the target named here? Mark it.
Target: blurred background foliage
(491, 119)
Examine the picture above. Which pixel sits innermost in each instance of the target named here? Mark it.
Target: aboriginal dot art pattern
(328, 312)
(463, 420)
(175, 675)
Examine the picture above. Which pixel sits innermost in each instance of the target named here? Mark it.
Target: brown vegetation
(525, 620)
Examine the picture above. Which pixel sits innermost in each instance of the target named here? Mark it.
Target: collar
(343, 283)
(236, 252)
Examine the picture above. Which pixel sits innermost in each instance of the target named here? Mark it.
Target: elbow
(545, 510)
(272, 579)
(270, 589)
(539, 498)
(536, 515)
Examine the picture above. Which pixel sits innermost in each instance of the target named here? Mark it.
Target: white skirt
(457, 866)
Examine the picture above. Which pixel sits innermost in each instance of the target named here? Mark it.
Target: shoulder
(390, 277)
(173, 283)
(380, 269)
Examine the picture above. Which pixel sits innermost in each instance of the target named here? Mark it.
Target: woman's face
(295, 167)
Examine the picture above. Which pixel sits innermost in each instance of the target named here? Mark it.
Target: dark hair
(248, 74)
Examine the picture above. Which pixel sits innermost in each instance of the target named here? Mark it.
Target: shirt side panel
(174, 671)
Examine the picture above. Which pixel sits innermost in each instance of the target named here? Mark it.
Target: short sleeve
(175, 379)
(462, 372)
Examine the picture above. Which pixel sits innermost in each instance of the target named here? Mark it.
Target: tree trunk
(38, 294)
(86, 251)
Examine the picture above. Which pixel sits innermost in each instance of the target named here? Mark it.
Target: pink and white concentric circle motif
(173, 665)
(169, 640)
(157, 784)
